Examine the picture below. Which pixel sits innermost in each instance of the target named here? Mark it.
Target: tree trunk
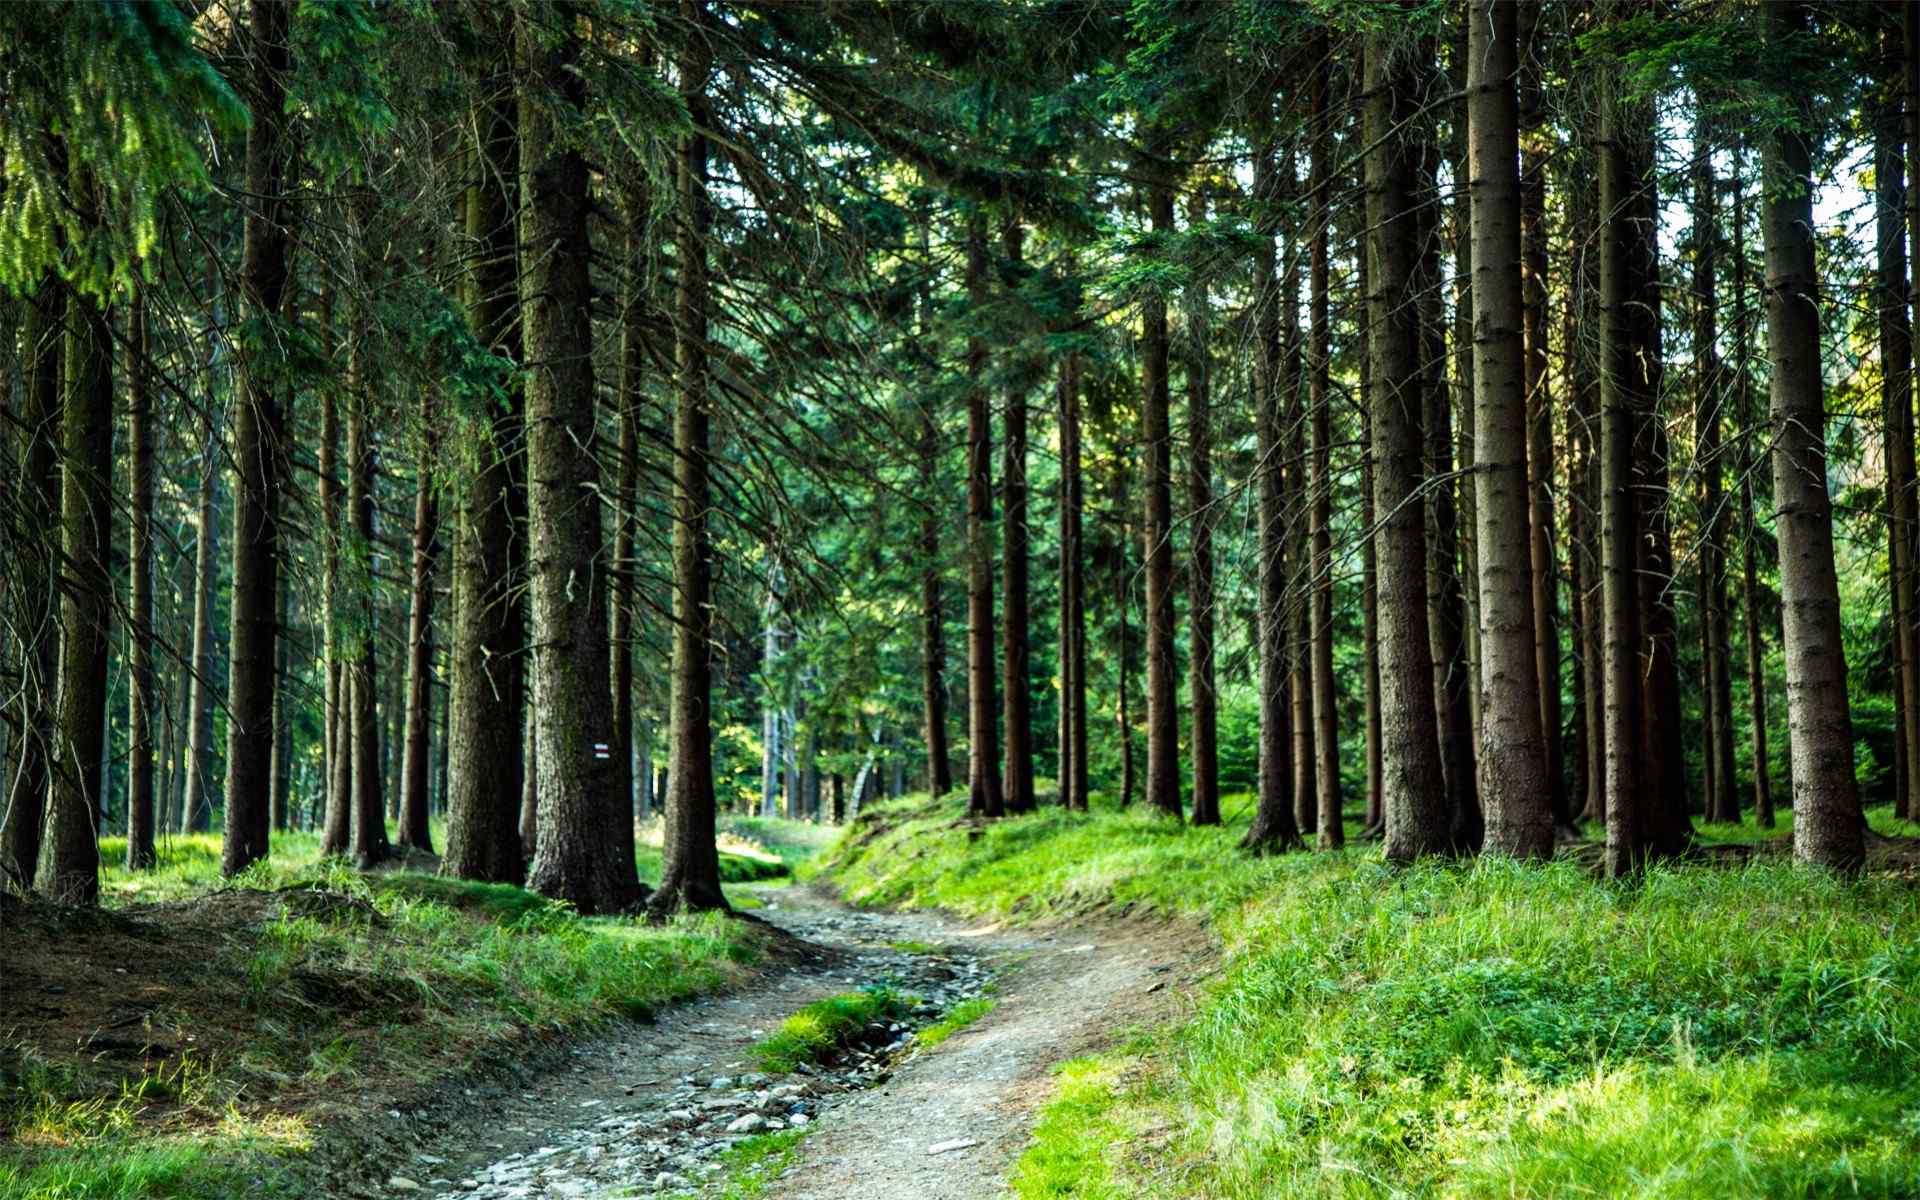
(1722, 800)
(1274, 827)
(624, 584)
(1204, 736)
(68, 871)
(1580, 317)
(199, 801)
(366, 805)
(983, 773)
(1414, 795)
(1827, 825)
(1015, 683)
(1163, 702)
(1544, 570)
(578, 855)
(1326, 735)
(336, 782)
(1074, 778)
(259, 448)
(282, 724)
(1749, 564)
(1903, 482)
(415, 777)
(32, 705)
(1515, 786)
(1299, 605)
(690, 868)
(486, 767)
(933, 617)
(143, 690)
(1896, 372)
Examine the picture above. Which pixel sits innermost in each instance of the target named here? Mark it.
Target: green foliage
(1479, 1029)
(118, 89)
(820, 1029)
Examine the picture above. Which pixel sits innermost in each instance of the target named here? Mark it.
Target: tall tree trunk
(1274, 827)
(1163, 702)
(32, 708)
(983, 756)
(259, 448)
(1624, 388)
(415, 777)
(578, 855)
(1580, 317)
(1749, 466)
(336, 784)
(486, 766)
(1376, 821)
(1074, 778)
(1827, 826)
(624, 583)
(68, 871)
(1299, 613)
(199, 800)
(1447, 609)
(1326, 735)
(1903, 425)
(1513, 762)
(143, 690)
(282, 724)
(1544, 599)
(367, 810)
(1414, 793)
(1896, 372)
(1722, 800)
(933, 617)
(1204, 737)
(690, 869)
(1015, 683)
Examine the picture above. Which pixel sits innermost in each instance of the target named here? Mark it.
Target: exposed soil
(649, 1108)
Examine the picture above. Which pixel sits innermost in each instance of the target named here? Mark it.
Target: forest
(523, 515)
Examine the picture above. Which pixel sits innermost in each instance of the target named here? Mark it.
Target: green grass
(957, 1018)
(392, 977)
(1461, 1030)
(823, 1027)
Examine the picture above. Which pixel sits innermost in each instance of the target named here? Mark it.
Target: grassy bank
(195, 1039)
(1470, 1030)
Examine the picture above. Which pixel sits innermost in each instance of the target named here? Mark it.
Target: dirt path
(650, 1109)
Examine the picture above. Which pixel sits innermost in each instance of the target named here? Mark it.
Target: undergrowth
(352, 981)
(1460, 1030)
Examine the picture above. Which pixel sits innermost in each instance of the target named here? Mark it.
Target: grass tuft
(958, 1017)
(824, 1027)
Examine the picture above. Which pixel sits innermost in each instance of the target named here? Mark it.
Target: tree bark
(259, 448)
(282, 726)
(1903, 483)
(1295, 500)
(367, 810)
(415, 779)
(1204, 716)
(486, 767)
(1331, 826)
(1163, 702)
(337, 783)
(1544, 569)
(143, 691)
(1075, 784)
(1749, 467)
(933, 617)
(690, 868)
(198, 814)
(578, 855)
(983, 756)
(1827, 825)
(1414, 791)
(624, 582)
(68, 871)
(1515, 787)
(1274, 827)
(1016, 684)
(1722, 800)
(37, 580)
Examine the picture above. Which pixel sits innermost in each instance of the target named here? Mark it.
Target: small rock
(955, 1144)
(667, 1179)
(720, 1083)
(799, 1120)
(400, 1183)
(751, 1123)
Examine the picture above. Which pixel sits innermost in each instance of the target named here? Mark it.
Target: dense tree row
(550, 414)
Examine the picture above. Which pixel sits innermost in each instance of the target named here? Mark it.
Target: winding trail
(647, 1109)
